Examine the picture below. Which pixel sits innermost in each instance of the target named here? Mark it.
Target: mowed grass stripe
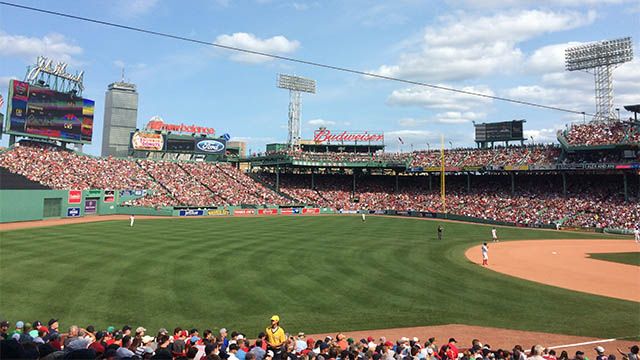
(629, 258)
(318, 273)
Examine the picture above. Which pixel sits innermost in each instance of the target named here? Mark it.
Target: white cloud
(510, 4)
(275, 45)
(542, 136)
(321, 122)
(548, 58)
(465, 46)
(53, 45)
(440, 99)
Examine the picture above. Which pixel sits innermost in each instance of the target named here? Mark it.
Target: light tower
(296, 85)
(601, 57)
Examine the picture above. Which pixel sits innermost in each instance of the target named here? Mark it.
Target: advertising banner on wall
(73, 212)
(268, 212)
(147, 141)
(75, 196)
(293, 211)
(191, 212)
(311, 211)
(218, 212)
(210, 146)
(90, 206)
(244, 212)
(109, 196)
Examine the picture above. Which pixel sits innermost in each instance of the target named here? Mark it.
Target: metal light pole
(601, 58)
(296, 85)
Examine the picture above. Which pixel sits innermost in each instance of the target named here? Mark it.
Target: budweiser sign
(324, 135)
(156, 123)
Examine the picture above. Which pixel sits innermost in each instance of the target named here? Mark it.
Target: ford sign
(211, 146)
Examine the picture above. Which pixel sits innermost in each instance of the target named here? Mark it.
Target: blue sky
(500, 47)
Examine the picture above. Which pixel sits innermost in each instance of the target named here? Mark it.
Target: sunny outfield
(321, 274)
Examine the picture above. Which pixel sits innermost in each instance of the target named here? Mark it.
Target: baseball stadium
(178, 243)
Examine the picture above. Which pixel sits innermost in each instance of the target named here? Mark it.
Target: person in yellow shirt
(275, 337)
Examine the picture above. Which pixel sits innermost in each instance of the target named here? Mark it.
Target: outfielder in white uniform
(494, 234)
(636, 233)
(485, 255)
(131, 220)
(364, 218)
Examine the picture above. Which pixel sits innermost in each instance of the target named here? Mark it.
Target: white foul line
(579, 344)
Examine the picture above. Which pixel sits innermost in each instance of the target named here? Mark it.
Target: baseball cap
(275, 318)
(125, 328)
(19, 324)
(140, 329)
(4, 323)
(599, 349)
(52, 321)
(579, 352)
(240, 337)
(300, 334)
(270, 353)
(324, 345)
(146, 339)
(388, 343)
(33, 333)
(163, 331)
(452, 340)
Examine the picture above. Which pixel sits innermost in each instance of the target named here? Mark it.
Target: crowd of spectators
(169, 183)
(603, 133)
(496, 156)
(39, 341)
(538, 200)
(379, 156)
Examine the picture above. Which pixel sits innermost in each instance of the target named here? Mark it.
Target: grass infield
(329, 273)
(630, 258)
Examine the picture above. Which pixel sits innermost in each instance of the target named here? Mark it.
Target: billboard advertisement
(147, 141)
(73, 212)
(268, 212)
(43, 112)
(75, 196)
(210, 146)
(191, 212)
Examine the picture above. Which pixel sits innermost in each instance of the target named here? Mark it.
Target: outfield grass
(317, 273)
(630, 258)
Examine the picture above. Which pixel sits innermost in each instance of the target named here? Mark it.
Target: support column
(396, 181)
(278, 178)
(313, 179)
(513, 182)
(353, 191)
(430, 183)
(564, 184)
(626, 187)
(468, 182)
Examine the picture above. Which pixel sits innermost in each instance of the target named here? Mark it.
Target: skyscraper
(120, 116)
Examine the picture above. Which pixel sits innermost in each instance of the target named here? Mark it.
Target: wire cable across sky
(294, 60)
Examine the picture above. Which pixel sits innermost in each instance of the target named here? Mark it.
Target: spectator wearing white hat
(600, 353)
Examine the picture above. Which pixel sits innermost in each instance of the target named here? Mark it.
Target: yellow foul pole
(442, 169)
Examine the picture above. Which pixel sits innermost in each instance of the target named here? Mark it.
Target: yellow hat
(275, 318)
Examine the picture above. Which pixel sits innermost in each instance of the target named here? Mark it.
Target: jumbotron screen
(43, 112)
(500, 131)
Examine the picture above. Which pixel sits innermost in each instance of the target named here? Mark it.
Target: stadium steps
(13, 181)
(166, 189)
(272, 188)
(220, 198)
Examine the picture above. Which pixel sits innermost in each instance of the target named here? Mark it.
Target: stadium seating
(601, 133)
(537, 200)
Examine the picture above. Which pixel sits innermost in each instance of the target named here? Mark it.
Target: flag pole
(442, 182)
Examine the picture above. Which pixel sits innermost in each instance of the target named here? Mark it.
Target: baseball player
(364, 218)
(440, 230)
(132, 218)
(636, 233)
(485, 254)
(494, 234)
